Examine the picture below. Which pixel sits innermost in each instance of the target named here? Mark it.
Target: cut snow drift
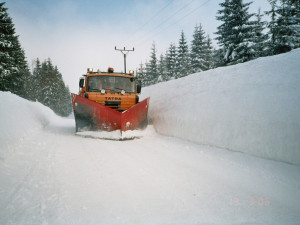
(252, 107)
(20, 118)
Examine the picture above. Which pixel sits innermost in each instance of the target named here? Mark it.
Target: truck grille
(113, 104)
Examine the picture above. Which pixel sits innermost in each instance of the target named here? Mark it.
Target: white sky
(83, 33)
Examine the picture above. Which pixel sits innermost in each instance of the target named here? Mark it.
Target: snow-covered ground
(201, 175)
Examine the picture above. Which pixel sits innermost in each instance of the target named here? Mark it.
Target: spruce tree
(235, 34)
(223, 32)
(60, 95)
(141, 74)
(13, 66)
(259, 37)
(287, 29)
(36, 80)
(272, 28)
(183, 59)
(50, 89)
(161, 69)
(218, 57)
(152, 66)
(208, 59)
(22, 76)
(198, 50)
(171, 56)
(146, 79)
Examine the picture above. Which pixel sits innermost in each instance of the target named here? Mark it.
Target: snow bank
(20, 118)
(252, 107)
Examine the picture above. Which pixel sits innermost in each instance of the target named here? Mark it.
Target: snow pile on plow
(117, 135)
(252, 107)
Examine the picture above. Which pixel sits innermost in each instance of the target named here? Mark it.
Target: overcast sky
(76, 34)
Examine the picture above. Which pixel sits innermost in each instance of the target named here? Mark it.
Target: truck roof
(109, 74)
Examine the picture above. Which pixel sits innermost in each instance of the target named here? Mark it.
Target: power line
(168, 18)
(131, 35)
(189, 13)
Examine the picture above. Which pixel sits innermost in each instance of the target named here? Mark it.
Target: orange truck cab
(118, 91)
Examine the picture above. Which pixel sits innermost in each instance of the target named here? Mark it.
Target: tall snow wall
(252, 107)
(20, 118)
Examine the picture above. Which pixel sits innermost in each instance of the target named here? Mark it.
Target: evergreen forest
(44, 84)
(241, 37)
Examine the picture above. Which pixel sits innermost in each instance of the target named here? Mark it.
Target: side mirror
(81, 82)
(139, 86)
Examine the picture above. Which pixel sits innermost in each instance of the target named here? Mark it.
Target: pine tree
(60, 95)
(35, 79)
(161, 69)
(46, 81)
(218, 57)
(284, 27)
(23, 75)
(13, 66)
(198, 50)
(65, 104)
(272, 28)
(209, 59)
(259, 37)
(287, 26)
(141, 74)
(50, 89)
(183, 59)
(148, 78)
(171, 56)
(152, 66)
(224, 31)
(7, 32)
(235, 34)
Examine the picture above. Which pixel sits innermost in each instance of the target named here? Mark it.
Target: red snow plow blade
(91, 115)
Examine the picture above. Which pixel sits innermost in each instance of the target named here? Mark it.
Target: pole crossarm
(124, 52)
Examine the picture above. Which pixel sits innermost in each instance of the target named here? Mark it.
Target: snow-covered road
(54, 177)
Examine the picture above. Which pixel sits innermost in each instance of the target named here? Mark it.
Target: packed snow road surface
(51, 176)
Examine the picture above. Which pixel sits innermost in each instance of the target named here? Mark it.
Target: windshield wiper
(115, 89)
(94, 89)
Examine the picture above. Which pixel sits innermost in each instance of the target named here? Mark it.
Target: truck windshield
(112, 84)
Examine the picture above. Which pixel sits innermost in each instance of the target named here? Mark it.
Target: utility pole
(124, 52)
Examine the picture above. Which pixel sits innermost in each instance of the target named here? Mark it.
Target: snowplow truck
(109, 101)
